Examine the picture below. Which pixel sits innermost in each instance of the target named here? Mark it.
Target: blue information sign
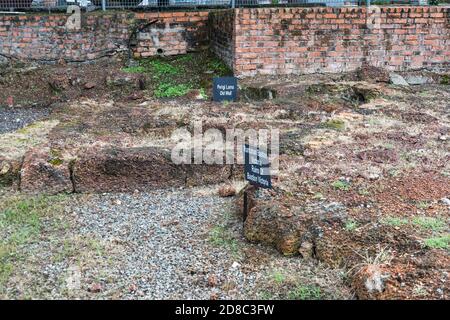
(225, 89)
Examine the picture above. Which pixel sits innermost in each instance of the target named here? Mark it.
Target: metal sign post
(256, 171)
(245, 211)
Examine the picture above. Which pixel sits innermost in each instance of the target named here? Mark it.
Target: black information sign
(257, 167)
(225, 89)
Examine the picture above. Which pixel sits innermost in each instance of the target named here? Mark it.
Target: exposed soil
(364, 165)
(112, 78)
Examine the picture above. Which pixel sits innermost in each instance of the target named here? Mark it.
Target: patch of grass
(134, 69)
(394, 221)
(305, 292)
(420, 291)
(203, 93)
(162, 68)
(67, 250)
(350, 225)
(363, 192)
(172, 76)
(335, 124)
(168, 90)
(422, 205)
(388, 146)
(318, 196)
(218, 67)
(20, 221)
(185, 58)
(6, 270)
(219, 236)
(341, 185)
(55, 161)
(156, 67)
(430, 223)
(438, 242)
(278, 277)
(266, 295)
(445, 79)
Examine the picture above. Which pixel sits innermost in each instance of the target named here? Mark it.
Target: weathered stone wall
(42, 37)
(307, 40)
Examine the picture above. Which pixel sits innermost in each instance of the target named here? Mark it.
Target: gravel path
(12, 119)
(184, 244)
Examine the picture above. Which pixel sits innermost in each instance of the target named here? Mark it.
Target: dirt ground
(364, 164)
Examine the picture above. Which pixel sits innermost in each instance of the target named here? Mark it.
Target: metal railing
(33, 5)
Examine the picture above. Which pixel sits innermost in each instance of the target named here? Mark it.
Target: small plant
(218, 67)
(438, 242)
(430, 223)
(305, 292)
(363, 192)
(341, 185)
(388, 146)
(278, 277)
(168, 90)
(161, 68)
(21, 217)
(266, 295)
(318, 196)
(55, 161)
(203, 94)
(185, 58)
(6, 270)
(383, 257)
(423, 205)
(394, 221)
(350, 225)
(335, 124)
(445, 79)
(219, 236)
(419, 291)
(134, 69)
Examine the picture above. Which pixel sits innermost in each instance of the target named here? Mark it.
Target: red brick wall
(174, 33)
(45, 37)
(307, 40)
(251, 41)
(222, 29)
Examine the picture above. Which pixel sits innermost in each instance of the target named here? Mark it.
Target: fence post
(104, 5)
(233, 4)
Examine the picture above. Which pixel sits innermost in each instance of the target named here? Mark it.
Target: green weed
(350, 225)
(20, 219)
(161, 68)
(438, 242)
(430, 223)
(219, 236)
(335, 124)
(134, 69)
(278, 277)
(305, 292)
(168, 90)
(394, 221)
(341, 185)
